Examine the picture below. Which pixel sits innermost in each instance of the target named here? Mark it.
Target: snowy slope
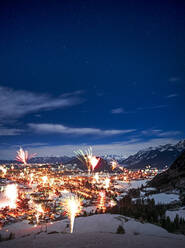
(98, 231)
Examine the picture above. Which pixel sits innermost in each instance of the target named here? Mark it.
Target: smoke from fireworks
(23, 156)
(72, 207)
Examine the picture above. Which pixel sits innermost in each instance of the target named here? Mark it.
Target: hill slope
(97, 231)
(174, 177)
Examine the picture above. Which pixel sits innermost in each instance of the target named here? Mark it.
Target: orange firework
(72, 207)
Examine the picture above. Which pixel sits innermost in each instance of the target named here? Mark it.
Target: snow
(149, 189)
(90, 209)
(137, 183)
(163, 198)
(96, 231)
(172, 214)
(133, 184)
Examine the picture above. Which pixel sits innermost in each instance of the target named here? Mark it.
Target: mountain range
(159, 157)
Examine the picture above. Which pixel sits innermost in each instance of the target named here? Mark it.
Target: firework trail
(39, 211)
(72, 207)
(23, 156)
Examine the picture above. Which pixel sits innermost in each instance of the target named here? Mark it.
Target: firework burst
(39, 211)
(23, 156)
(87, 158)
(114, 164)
(72, 207)
(9, 196)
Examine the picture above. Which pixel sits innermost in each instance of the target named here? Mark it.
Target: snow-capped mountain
(111, 157)
(159, 156)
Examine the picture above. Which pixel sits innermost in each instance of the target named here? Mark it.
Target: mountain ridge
(158, 156)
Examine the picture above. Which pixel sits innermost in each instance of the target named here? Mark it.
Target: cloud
(61, 129)
(174, 79)
(117, 111)
(169, 134)
(152, 107)
(160, 133)
(172, 95)
(36, 144)
(125, 148)
(17, 103)
(9, 131)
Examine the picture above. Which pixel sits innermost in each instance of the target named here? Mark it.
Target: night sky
(110, 74)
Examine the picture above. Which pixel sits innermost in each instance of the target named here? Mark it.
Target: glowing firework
(107, 183)
(84, 157)
(124, 178)
(23, 156)
(87, 158)
(51, 181)
(72, 207)
(96, 177)
(4, 170)
(114, 164)
(31, 178)
(10, 196)
(39, 212)
(101, 204)
(93, 162)
(112, 203)
(44, 179)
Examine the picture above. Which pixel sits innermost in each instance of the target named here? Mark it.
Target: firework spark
(10, 195)
(87, 158)
(96, 177)
(93, 162)
(83, 156)
(107, 183)
(101, 203)
(3, 169)
(72, 207)
(114, 164)
(31, 178)
(23, 156)
(39, 212)
(44, 179)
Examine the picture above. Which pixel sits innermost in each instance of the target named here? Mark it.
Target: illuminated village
(43, 194)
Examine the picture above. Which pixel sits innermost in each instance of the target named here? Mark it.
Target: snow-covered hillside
(95, 231)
